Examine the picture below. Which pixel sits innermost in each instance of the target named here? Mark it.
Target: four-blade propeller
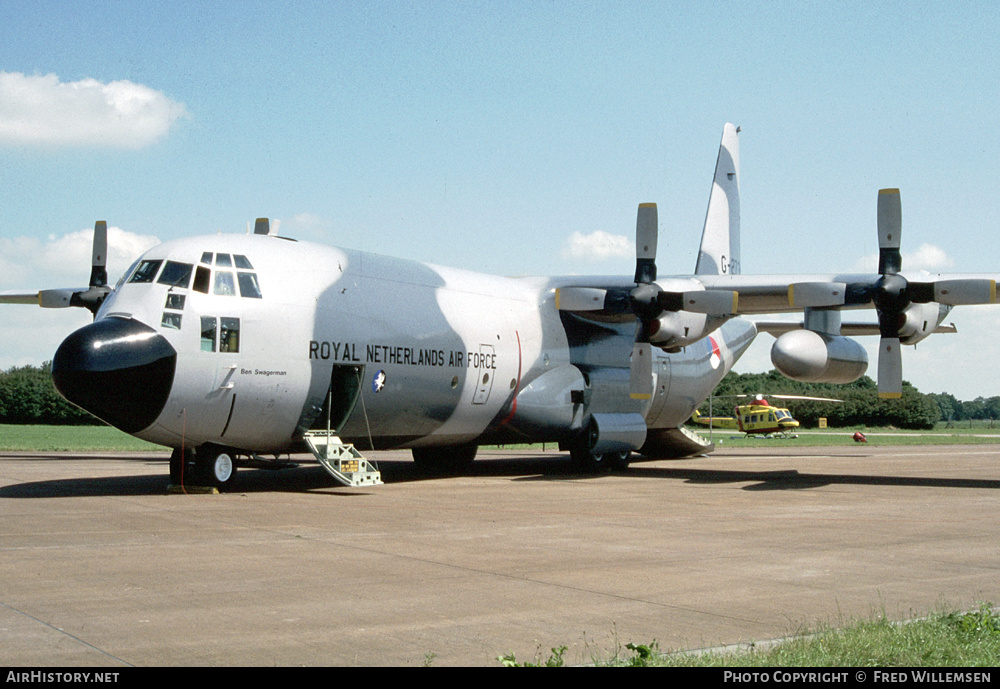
(90, 297)
(891, 293)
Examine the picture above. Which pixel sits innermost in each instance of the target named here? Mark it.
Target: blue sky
(487, 135)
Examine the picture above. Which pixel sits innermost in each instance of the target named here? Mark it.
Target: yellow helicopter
(758, 417)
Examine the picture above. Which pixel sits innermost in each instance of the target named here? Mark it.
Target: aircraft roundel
(378, 382)
(716, 357)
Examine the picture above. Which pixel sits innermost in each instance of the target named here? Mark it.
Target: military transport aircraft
(232, 348)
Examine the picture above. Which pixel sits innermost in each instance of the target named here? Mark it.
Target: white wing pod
(810, 357)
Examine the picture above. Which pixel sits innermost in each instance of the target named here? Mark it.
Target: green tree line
(860, 404)
(27, 396)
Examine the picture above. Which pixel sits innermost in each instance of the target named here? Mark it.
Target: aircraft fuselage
(266, 332)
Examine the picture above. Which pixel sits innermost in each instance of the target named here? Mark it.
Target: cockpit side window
(248, 285)
(229, 335)
(126, 275)
(209, 326)
(176, 274)
(146, 271)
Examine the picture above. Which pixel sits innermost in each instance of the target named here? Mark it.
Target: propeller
(92, 297)
(647, 301)
(891, 293)
(643, 301)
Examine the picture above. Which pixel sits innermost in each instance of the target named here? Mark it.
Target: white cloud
(927, 257)
(41, 110)
(598, 246)
(29, 263)
(31, 334)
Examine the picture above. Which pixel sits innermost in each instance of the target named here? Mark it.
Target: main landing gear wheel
(444, 460)
(181, 469)
(589, 462)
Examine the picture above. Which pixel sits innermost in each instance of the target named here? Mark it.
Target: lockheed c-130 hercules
(228, 348)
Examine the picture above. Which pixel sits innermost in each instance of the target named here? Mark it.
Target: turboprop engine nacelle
(920, 320)
(672, 329)
(812, 357)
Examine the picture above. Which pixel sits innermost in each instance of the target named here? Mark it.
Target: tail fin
(720, 241)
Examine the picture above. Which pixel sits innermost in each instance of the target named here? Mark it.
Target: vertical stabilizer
(719, 253)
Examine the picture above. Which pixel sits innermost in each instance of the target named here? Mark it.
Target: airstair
(342, 460)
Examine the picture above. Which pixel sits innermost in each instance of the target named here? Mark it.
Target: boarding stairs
(342, 460)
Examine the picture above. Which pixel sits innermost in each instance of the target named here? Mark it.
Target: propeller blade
(955, 292)
(646, 228)
(890, 368)
(580, 298)
(817, 294)
(714, 302)
(99, 261)
(890, 225)
(641, 383)
(56, 298)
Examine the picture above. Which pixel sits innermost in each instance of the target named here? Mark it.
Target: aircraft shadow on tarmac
(312, 478)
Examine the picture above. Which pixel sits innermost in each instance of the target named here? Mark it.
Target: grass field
(945, 640)
(70, 438)
(106, 438)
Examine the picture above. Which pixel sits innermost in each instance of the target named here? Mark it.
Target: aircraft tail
(719, 253)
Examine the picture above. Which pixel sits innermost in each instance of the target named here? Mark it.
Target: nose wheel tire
(215, 466)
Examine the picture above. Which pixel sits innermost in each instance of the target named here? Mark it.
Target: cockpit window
(126, 275)
(242, 262)
(223, 260)
(209, 326)
(202, 276)
(176, 274)
(206, 258)
(146, 271)
(229, 335)
(224, 283)
(248, 285)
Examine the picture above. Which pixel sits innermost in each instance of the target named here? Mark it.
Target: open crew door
(341, 397)
(341, 460)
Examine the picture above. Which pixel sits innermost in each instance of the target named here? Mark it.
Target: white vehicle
(232, 347)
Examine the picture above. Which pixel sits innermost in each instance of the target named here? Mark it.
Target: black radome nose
(118, 369)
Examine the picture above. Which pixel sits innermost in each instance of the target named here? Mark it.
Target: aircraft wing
(762, 294)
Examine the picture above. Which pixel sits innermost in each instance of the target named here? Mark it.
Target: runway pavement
(99, 566)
